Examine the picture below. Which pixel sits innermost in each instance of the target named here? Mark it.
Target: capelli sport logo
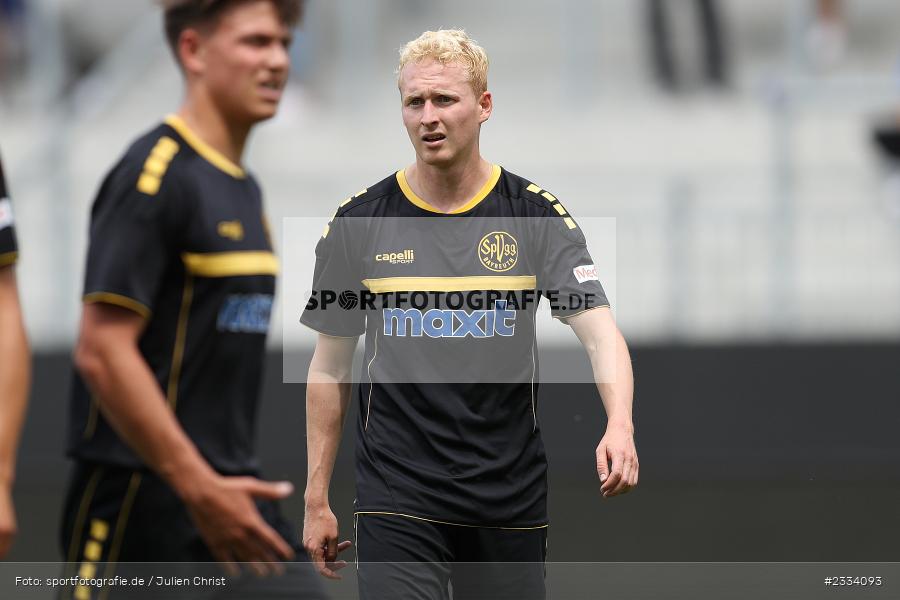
(498, 251)
(403, 257)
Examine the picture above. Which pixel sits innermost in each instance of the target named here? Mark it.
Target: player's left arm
(617, 460)
(15, 373)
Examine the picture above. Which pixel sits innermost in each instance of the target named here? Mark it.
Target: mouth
(271, 90)
(433, 139)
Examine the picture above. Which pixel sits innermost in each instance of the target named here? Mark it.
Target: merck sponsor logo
(437, 323)
(586, 273)
(6, 216)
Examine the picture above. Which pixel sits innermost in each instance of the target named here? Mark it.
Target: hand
(7, 520)
(233, 529)
(320, 534)
(617, 447)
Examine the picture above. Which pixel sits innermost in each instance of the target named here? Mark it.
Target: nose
(429, 114)
(279, 59)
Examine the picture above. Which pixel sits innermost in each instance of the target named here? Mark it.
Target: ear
(191, 51)
(486, 105)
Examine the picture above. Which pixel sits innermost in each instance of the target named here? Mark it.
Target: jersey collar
(213, 156)
(481, 195)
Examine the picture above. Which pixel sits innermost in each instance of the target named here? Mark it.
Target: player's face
(441, 112)
(245, 61)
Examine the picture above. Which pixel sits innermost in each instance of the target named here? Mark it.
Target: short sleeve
(567, 275)
(134, 236)
(334, 307)
(9, 249)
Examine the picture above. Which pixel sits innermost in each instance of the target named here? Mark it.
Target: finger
(226, 560)
(344, 545)
(602, 463)
(274, 542)
(615, 474)
(336, 566)
(622, 486)
(330, 569)
(317, 557)
(331, 550)
(272, 563)
(324, 568)
(258, 568)
(5, 544)
(268, 490)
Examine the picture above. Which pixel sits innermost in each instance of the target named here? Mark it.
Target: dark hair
(182, 14)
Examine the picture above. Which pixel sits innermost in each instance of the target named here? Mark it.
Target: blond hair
(449, 46)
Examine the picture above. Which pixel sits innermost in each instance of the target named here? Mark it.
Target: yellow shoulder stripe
(156, 165)
(230, 264)
(560, 209)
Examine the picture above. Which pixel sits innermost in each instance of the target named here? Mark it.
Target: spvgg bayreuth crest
(498, 251)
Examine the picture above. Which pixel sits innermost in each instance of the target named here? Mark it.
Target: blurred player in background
(15, 369)
(178, 291)
(452, 472)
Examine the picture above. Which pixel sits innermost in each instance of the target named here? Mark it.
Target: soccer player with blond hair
(451, 474)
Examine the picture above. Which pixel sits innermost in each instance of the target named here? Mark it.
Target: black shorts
(117, 520)
(404, 558)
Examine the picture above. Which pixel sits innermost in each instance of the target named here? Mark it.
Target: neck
(448, 188)
(203, 117)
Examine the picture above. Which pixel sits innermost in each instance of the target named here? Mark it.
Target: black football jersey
(447, 427)
(178, 235)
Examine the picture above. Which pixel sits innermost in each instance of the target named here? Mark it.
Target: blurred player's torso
(193, 223)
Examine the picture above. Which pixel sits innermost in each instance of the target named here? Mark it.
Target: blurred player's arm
(327, 398)
(611, 364)
(108, 357)
(15, 373)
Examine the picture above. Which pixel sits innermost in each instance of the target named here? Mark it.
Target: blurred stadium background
(758, 252)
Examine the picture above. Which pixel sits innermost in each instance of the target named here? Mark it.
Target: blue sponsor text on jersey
(245, 313)
(437, 323)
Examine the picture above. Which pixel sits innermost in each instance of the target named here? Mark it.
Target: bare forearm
(15, 375)
(616, 385)
(610, 361)
(130, 398)
(326, 405)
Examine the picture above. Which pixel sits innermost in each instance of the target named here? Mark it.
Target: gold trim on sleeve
(118, 300)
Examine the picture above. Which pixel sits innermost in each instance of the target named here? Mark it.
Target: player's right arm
(327, 398)
(108, 357)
